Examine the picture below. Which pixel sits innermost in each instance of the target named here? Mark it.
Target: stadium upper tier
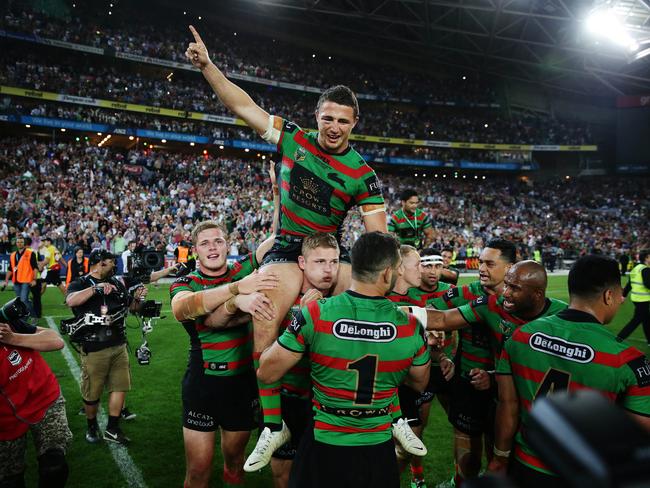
(164, 41)
(84, 194)
(189, 93)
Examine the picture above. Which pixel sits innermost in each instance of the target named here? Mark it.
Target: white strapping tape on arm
(372, 212)
(272, 135)
(420, 314)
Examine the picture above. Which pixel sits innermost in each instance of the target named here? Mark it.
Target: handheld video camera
(149, 311)
(143, 354)
(142, 262)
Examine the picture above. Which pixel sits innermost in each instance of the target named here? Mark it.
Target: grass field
(157, 448)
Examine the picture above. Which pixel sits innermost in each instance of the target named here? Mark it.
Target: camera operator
(104, 300)
(30, 400)
(142, 261)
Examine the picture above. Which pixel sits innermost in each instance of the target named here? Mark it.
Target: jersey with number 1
(361, 349)
(317, 188)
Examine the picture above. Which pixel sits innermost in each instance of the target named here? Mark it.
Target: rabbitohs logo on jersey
(506, 327)
(358, 330)
(300, 154)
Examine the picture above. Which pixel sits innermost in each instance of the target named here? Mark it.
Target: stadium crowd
(377, 118)
(250, 55)
(18, 106)
(156, 196)
(367, 373)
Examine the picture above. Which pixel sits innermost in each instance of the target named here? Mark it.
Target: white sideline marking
(129, 470)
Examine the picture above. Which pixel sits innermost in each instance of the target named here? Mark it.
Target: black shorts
(297, 414)
(409, 402)
(470, 410)
(210, 402)
(286, 249)
(320, 465)
(522, 475)
(438, 385)
(53, 277)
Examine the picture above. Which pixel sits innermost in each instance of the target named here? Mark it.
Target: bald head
(530, 273)
(524, 292)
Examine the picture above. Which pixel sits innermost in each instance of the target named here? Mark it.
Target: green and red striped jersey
(297, 381)
(474, 349)
(571, 350)
(360, 349)
(488, 310)
(409, 229)
(419, 298)
(220, 352)
(318, 188)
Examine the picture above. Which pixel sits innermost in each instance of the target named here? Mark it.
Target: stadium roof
(540, 41)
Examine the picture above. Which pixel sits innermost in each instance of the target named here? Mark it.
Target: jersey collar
(359, 295)
(321, 148)
(573, 315)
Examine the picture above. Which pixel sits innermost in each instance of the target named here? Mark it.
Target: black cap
(98, 255)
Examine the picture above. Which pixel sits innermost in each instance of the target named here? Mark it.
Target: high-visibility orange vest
(68, 277)
(23, 273)
(183, 252)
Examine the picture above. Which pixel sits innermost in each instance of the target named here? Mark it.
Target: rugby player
(215, 303)
(540, 358)
(523, 300)
(449, 273)
(320, 179)
(319, 261)
(361, 348)
(410, 224)
(414, 405)
(471, 405)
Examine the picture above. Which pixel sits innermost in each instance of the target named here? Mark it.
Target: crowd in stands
(377, 118)
(19, 106)
(241, 53)
(81, 194)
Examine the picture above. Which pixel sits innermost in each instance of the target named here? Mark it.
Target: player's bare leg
(417, 469)
(281, 469)
(265, 332)
(199, 450)
(233, 445)
(467, 453)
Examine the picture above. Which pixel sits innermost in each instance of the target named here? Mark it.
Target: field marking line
(130, 472)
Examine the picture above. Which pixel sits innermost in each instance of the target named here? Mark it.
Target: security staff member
(77, 266)
(182, 252)
(103, 300)
(23, 272)
(639, 290)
